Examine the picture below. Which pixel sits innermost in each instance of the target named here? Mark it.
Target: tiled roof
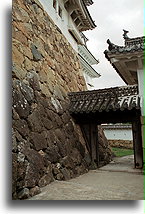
(116, 126)
(109, 99)
(131, 45)
(81, 13)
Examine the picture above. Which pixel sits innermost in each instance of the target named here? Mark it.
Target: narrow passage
(115, 181)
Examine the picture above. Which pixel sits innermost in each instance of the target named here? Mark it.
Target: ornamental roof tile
(109, 99)
(131, 45)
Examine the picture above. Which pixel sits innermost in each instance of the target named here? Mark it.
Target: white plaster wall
(63, 22)
(118, 134)
(140, 75)
(89, 80)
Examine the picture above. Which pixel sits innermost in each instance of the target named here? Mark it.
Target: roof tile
(118, 98)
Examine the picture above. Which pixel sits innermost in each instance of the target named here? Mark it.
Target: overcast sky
(111, 17)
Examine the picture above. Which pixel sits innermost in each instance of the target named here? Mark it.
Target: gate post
(94, 144)
(142, 119)
(90, 134)
(137, 144)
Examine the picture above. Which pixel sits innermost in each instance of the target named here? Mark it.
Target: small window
(54, 4)
(60, 11)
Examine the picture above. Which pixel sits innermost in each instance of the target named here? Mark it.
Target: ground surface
(115, 181)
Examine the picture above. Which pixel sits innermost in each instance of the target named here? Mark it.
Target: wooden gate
(114, 105)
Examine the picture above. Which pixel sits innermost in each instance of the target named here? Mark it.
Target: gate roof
(109, 99)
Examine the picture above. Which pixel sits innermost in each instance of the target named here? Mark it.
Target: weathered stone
(21, 170)
(21, 37)
(37, 56)
(104, 149)
(61, 148)
(14, 142)
(33, 79)
(35, 159)
(27, 52)
(58, 93)
(32, 176)
(34, 191)
(18, 72)
(128, 144)
(43, 75)
(52, 154)
(67, 162)
(28, 64)
(80, 170)
(18, 136)
(76, 157)
(59, 133)
(35, 121)
(45, 180)
(34, 169)
(45, 90)
(15, 114)
(21, 15)
(57, 105)
(38, 3)
(35, 8)
(27, 92)
(69, 129)
(55, 170)
(21, 126)
(65, 117)
(21, 157)
(29, 29)
(59, 176)
(23, 194)
(51, 115)
(20, 26)
(14, 172)
(17, 56)
(20, 104)
(58, 121)
(66, 174)
(38, 140)
(28, 1)
(47, 123)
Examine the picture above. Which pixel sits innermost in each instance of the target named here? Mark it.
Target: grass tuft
(120, 152)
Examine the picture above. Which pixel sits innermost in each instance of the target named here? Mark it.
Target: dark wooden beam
(137, 143)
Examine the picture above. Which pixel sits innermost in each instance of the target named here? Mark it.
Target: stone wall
(128, 144)
(47, 144)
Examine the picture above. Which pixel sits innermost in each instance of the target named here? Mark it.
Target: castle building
(72, 18)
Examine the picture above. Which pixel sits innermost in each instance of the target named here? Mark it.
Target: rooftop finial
(125, 34)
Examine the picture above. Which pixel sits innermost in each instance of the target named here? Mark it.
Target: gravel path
(115, 181)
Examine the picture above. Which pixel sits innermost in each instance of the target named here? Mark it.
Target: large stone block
(33, 79)
(52, 154)
(45, 180)
(38, 141)
(35, 121)
(17, 56)
(18, 72)
(34, 191)
(37, 56)
(21, 126)
(23, 194)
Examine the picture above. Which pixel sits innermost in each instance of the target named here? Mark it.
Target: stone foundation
(128, 144)
(47, 144)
